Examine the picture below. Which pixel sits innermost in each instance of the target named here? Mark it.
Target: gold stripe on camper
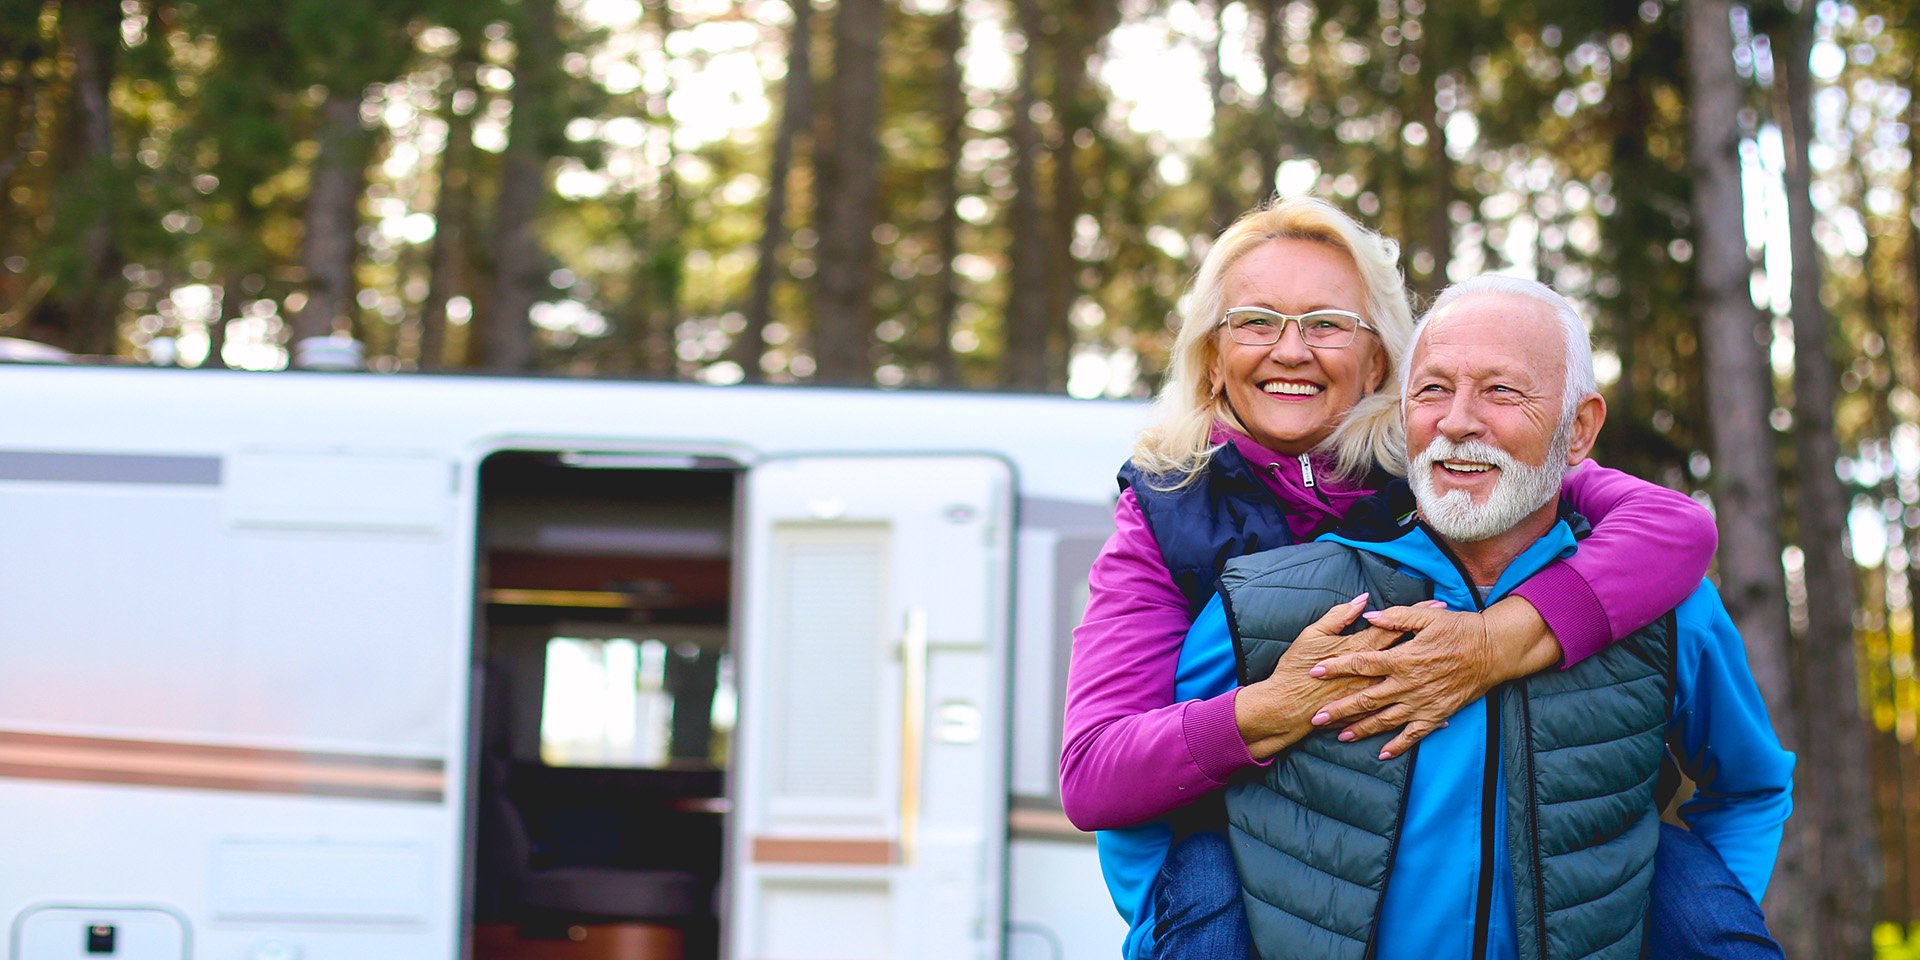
(204, 766)
(1043, 823)
(850, 852)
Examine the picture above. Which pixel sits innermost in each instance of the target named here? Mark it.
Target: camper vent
(827, 734)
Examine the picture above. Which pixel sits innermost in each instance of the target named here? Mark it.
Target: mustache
(1475, 450)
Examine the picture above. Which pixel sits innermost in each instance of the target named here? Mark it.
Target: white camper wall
(279, 633)
(272, 574)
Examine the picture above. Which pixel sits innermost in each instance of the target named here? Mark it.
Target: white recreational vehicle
(311, 666)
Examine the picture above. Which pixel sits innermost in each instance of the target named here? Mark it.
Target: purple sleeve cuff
(1213, 737)
(1571, 609)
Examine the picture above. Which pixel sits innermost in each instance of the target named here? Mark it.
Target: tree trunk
(233, 298)
(949, 37)
(665, 260)
(1438, 175)
(1635, 446)
(1082, 25)
(520, 267)
(1272, 135)
(91, 31)
(453, 203)
(1739, 395)
(17, 133)
(1882, 676)
(1223, 190)
(1910, 809)
(231, 302)
(796, 109)
(328, 248)
(1024, 360)
(1746, 490)
(1835, 777)
(1887, 789)
(1913, 225)
(847, 172)
(1438, 178)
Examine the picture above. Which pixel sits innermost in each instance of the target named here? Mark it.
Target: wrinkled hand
(1449, 662)
(1275, 713)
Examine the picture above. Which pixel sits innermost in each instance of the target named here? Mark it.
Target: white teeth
(1466, 466)
(1291, 389)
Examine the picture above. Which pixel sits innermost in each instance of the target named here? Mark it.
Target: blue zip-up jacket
(1719, 734)
(1131, 857)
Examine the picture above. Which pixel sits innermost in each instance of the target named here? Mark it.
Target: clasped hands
(1369, 684)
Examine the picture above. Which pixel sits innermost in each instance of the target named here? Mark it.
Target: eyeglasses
(1260, 327)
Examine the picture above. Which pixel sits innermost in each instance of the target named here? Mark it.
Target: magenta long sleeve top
(1130, 753)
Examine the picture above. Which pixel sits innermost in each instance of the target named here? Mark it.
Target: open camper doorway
(604, 704)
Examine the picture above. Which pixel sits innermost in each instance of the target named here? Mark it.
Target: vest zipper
(1306, 471)
(1533, 824)
(1489, 782)
(1393, 849)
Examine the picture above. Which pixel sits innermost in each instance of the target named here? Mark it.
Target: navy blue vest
(1228, 512)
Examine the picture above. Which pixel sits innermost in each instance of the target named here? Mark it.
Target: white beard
(1520, 491)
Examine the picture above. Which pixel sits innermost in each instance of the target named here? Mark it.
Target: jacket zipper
(1393, 850)
(1489, 782)
(1533, 826)
(1306, 481)
(1489, 797)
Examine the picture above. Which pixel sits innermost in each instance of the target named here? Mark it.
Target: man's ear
(1588, 417)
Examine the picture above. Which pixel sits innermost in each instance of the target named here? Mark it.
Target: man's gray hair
(1580, 380)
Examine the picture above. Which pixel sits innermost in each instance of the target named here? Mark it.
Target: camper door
(870, 775)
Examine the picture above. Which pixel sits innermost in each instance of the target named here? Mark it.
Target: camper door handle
(913, 709)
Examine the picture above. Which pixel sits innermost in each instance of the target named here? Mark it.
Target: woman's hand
(1452, 659)
(1277, 712)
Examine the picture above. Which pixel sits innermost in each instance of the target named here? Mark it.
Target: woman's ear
(1378, 374)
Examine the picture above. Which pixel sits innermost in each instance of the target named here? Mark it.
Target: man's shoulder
(1297, 562)
(1272, 594)
(1703, 612)
(1338, 570)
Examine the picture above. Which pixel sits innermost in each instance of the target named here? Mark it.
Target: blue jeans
(1196, 904)
(1700, 911)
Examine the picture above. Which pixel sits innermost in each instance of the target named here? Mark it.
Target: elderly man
(1528, 826)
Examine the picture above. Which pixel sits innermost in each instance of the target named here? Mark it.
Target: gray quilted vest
(1314, 835)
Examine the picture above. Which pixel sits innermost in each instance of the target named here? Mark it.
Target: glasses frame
(1299, 322)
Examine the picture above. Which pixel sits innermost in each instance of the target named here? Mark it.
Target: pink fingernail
(1386, 755)
(1317, 671)
(1346, 736)
(1323, 717)
(1356, 601)
(1371, 615)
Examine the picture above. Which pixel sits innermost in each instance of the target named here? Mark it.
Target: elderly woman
(1280, 413)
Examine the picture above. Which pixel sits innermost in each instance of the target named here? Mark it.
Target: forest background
(1010, 194)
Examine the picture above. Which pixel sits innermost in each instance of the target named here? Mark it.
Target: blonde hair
(1177, 447)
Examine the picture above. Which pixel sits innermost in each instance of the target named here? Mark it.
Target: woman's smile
(1287, 395)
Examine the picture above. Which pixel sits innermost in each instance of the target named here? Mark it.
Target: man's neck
(1485, 560)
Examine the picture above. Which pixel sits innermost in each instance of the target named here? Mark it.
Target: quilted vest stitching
(1581, 819)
